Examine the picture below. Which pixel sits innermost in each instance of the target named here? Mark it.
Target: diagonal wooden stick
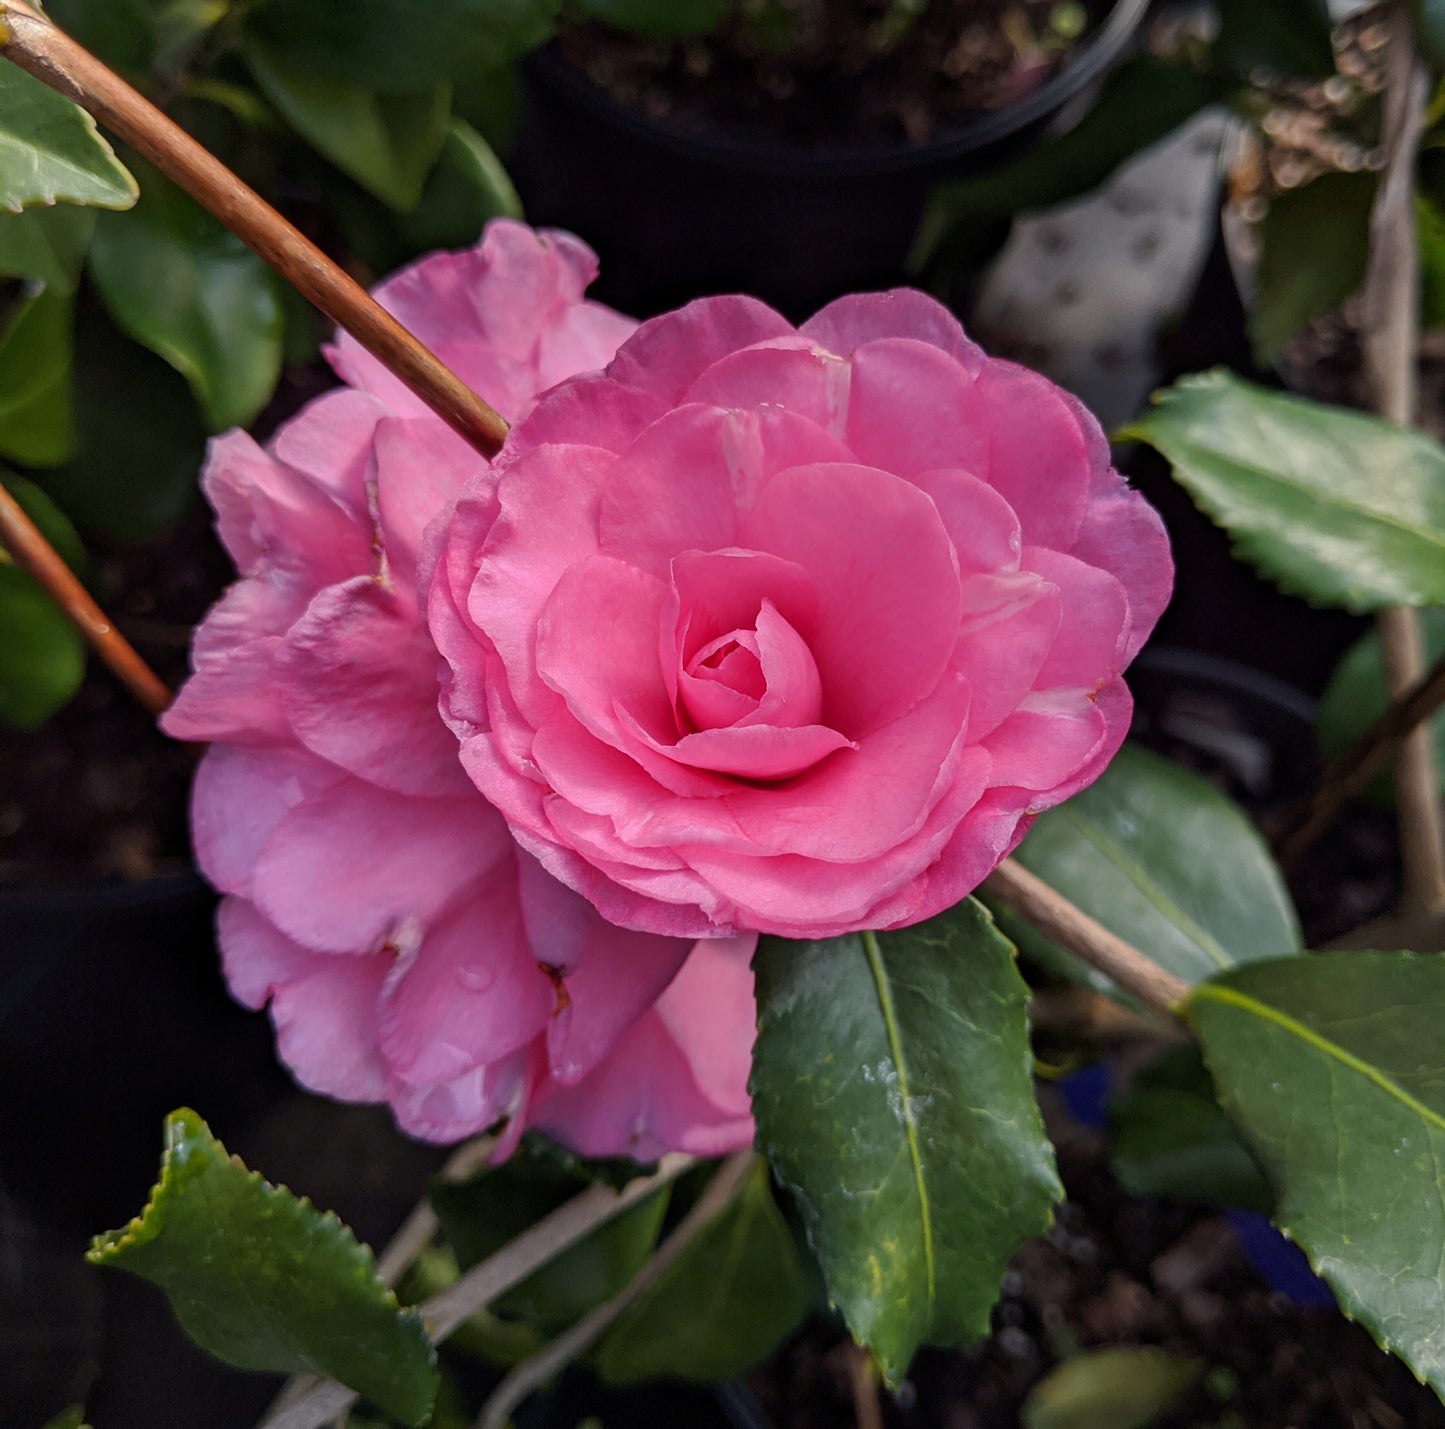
(38, 558)
(42, 49)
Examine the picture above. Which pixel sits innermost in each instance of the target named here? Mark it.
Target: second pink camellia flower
(792, 631)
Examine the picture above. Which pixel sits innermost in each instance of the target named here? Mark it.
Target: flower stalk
(43, 50)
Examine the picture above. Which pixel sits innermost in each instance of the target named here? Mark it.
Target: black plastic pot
(675, 213)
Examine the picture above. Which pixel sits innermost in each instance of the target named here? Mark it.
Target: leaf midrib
(910, 1126)
(1163, 904)
(1232, 997)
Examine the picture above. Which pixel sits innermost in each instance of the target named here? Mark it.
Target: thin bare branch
(1354, 769)
(532, 1374)
(1086, 939)
(35, 555)
(42, 49)
(1390, 338)
(324, 1400)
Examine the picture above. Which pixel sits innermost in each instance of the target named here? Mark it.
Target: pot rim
(739, 148)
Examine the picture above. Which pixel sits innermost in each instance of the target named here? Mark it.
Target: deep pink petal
(849, 322)
(596, 411)
(1007, 634)
(792, 374)
(980, 523)
(887, 584)
(1089, 647)
(666, 355)
(1047, 740)
(710, 1013)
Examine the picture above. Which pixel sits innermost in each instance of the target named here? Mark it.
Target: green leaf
(1332, 1065)
(37, 400)
(264, 1281)
(400, 46)
(1170, 1138)
(722, 1306)
(1127, 851)
(42, 657)
(658, 17)
(891, 1087)
(1286, 37)
(1430, 240)
(1315, 242)
(386, 142)
(466, 190)
(1141, 102)
(141, 439)
(46, 245)
(121, 32)
(1355, 698)
(51, 151)
(1430, 19)
(1121, 1387)
(1340, 508)
(180, 284)
(482, 1214)
(73, 1418)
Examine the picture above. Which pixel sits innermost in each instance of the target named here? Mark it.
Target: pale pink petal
(468, 992)
(255, 957)
(355, 866)
(709, 1010)
(499, 1092)
(787, 373)
(326, 1028)
(357, 678)
(596, 409)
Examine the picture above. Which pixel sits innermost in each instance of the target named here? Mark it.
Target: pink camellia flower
(410, 951)
(792, 631)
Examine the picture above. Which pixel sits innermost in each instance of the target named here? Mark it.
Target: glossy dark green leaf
(1315, 242)
(892, 1091)
(466, 190)
(46, 245)
(141, 440)
(401, 46)
(658, 17)
(386, 142)
(1283, 37)
(121, 32)
(1141, 102)
(51, 151)
(720, 1308)
(1340, 508)
(1355, 698)
(1170, 1138)
(37, 397)
(174, 279)
(1127, 851)
(1332, 1065)
(42, 658)
(482, 1214)
(265, 1281)
(1119, 1387)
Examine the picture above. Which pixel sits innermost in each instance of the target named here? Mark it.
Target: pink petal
(468, 992)
(666, 355)
(849, 322)
(595, 411)
(1089, 647)
(980, 523)
(1004, 641)
(753, 751)
(355, 866)
(357, 677)
(256, 958)
(326, 1028)
(238, 798)
(1038, 454)
(913, 409)
(1047, 740)
(470, 1103)
(788, 373)
(709, 1011)
(887, 584)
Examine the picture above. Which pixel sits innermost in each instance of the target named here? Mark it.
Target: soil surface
(1116, 1270)
(838, 70)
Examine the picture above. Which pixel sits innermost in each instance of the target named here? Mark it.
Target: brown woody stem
(1086, 939)
(1350, 773)
(1390, 339)
(38, 558)
(40, 48)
